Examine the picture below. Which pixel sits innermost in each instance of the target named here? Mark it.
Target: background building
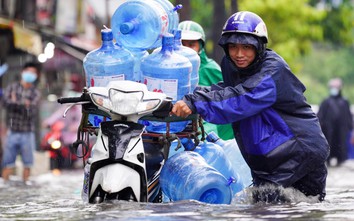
(57, 33)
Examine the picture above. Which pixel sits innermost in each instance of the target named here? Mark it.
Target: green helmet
(192, 31)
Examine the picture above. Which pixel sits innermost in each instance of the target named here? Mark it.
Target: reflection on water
(58, 198)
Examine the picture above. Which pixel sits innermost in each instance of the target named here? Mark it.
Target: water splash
(272, 194)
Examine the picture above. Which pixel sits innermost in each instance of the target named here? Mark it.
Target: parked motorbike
(125, 161)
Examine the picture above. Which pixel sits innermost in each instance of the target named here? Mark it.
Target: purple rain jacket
(277, 132)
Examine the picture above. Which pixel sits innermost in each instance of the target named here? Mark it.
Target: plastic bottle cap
(126, 28)
(212, 137)
(168, 40)
(106, 35)
(179, 6)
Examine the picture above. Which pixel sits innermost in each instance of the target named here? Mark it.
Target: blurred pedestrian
(193, 36)
(336, 122)
(21, 101)
(276, 130)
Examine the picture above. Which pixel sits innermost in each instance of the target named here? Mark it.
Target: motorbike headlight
(126, 103)
(101, 100)
(56, 144)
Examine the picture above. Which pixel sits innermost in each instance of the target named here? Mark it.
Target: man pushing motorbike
(276, 130)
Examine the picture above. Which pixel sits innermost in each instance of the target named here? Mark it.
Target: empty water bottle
(140, 24)
(186, 175)
(169, 73)
(171, 10)
(107, 63)
(234, 155)
(187, 52)
(191, 55)
(138, 56)
(215, 156)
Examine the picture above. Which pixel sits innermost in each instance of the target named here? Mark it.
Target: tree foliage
(292, 29)
(326, 62)
(338, 24)
(297, 31)
(211, 15)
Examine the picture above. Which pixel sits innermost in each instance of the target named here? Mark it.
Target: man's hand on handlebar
(181, 109)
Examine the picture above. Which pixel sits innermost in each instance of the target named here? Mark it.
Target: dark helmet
(248, 23)
(245, 27)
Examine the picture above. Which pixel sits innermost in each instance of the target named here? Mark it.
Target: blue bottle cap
(168, 40)
(126, 28)
(106, 34)
(212, 137)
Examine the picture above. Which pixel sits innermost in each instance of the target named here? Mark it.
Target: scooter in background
(55, 143)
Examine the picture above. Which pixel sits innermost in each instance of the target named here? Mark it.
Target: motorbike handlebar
(68, 100)
(164, 109)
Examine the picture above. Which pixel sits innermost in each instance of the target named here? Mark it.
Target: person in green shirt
(193, 36)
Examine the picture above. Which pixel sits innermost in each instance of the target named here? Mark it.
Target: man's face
(193, 44)
(242, 54)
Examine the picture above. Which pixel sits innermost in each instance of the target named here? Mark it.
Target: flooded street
(58, 198)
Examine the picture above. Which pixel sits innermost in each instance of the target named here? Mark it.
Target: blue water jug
(234, 155)
(138, 56)
(107, 63)
(187, 52)
(173, 18)
(191, 55)
(215, 156)
(140, 24)
(169, 73)
(186, 175)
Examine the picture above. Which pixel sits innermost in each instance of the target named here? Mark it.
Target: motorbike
(54, 142)
(125, 160)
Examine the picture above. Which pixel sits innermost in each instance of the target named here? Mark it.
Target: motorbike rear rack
(87, 130)
(191, 132)
(194, 118)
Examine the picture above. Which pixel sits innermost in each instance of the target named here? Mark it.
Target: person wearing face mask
(275, 128)
(336, 122)
(21, 101)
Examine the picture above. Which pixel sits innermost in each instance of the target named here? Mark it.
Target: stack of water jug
(211, 173)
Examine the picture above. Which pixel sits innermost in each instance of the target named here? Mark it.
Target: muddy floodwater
(58, 197)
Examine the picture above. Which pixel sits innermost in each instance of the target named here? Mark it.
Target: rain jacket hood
(242, 38)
